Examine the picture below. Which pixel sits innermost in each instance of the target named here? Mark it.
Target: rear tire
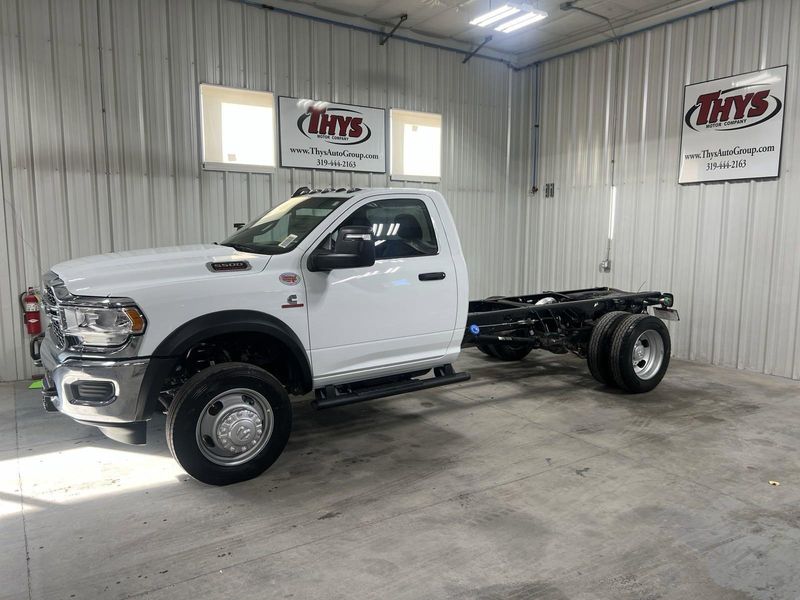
(599, 355)
(640, 353)
(229, 423)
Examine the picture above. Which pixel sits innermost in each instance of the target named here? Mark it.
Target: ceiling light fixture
(530, 17)
(493, 16)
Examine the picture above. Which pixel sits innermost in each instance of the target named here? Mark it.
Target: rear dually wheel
(640, 353)
(599, 353)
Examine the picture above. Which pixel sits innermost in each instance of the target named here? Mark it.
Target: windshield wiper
(244, 247)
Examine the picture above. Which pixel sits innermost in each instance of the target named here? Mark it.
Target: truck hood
(116, 273)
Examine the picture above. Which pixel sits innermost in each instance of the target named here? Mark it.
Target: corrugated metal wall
(99, 131)
(729, 251)
(99, 152)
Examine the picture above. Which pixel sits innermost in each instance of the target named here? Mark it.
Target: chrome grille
(49, 296)
(58, 335)
(53, 314)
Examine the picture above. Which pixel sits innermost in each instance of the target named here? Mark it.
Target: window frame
(413, 178)
(236, 167)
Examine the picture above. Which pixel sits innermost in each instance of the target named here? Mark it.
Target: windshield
(285, 226)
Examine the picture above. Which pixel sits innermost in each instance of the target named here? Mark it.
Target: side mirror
(355, 247)
(238, 226)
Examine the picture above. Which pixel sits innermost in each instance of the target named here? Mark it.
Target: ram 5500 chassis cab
(354, 294)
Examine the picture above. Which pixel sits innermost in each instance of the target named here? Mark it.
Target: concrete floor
(529, 481)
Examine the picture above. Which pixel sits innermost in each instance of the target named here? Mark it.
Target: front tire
(640, 353)
(229, 423)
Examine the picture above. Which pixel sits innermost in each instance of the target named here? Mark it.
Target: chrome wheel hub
(240, 430)
(234, 426)
(648, 354)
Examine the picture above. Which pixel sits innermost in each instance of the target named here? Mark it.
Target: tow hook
(34, 347)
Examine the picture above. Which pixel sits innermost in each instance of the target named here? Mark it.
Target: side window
(402, 227)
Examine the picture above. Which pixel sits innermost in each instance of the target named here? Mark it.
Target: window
(238, 129)
(285, 226)
(416, 145)
(402, 227)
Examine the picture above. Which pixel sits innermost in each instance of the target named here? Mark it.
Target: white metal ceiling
(562, 31)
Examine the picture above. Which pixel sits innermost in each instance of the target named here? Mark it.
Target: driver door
(394, 316)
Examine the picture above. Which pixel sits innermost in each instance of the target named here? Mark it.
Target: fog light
(92, 392)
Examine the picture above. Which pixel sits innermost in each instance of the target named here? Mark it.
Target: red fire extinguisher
(30, 309)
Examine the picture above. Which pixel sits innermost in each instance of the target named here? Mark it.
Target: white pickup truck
(353, 294)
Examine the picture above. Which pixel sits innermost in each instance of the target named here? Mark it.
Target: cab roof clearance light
(507, 18)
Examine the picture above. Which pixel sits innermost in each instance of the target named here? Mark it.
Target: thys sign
(733, 127)
(325, 135)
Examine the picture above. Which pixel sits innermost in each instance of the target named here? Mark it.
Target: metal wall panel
(729, 251)
(99, 151)
(99, 142)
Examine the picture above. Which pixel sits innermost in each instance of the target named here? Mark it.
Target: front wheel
(640, 353)
(229, 423)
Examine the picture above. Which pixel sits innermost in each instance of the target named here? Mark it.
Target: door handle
(432, 276)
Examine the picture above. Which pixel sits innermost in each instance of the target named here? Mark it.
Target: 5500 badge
(326, 135)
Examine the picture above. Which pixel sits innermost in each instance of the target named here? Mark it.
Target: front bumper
(99, 392)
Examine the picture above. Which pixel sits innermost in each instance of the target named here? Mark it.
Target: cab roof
(347, 192)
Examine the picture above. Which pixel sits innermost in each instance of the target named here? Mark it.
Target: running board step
(330, 397)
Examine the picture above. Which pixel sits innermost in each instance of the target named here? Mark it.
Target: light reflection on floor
(78, 474)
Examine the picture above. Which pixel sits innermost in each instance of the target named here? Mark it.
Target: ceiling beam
(598, 36)
(387, 36)
(586, 38)
(381, 29)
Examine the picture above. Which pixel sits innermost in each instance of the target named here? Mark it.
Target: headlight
(102, 326)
